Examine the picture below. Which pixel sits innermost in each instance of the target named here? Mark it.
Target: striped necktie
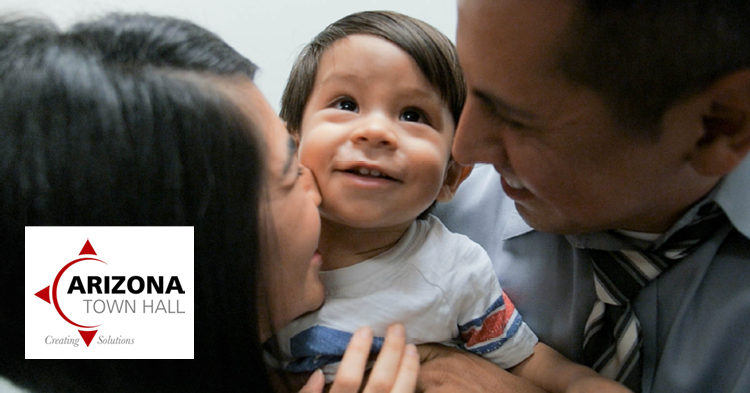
(612, 339)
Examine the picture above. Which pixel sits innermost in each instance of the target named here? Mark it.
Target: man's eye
(514, 124)
(346, 105)
(505, 121)
(412, 115)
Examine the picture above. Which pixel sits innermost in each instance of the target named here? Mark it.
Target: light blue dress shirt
(695, 317)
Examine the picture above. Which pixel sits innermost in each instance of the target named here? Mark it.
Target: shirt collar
(514, 223)
(733, 195)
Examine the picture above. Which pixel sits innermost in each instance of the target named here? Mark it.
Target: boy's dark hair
(645, 55)
(433, 52)
(158, 41)
(84, 143)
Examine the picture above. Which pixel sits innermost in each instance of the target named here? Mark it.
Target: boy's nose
(376, 133)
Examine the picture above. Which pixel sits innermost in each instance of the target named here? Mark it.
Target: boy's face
(376, 135)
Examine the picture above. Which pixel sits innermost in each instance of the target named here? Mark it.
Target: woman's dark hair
(645, 55)
(159, 41)
(433, 52)
(86, 143)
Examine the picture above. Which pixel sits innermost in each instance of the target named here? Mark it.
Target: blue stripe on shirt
(478, 322)
(317, 346)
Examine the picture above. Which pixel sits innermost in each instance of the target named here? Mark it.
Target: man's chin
(550, 223)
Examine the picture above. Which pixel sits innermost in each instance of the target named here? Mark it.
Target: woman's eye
(413, 116)
(346, 105)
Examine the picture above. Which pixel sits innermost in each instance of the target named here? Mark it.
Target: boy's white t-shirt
(439, 284)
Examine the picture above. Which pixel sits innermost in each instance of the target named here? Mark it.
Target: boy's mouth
(369, 172)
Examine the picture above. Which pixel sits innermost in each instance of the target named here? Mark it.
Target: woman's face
(292, 225)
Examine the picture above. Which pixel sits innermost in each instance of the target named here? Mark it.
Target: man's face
(563, 159)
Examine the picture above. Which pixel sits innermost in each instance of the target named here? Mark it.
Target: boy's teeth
(367, 172)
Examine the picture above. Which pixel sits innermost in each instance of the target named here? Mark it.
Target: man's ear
(726, 125)
(454, 176)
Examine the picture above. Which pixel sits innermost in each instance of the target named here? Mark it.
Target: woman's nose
(310, 185)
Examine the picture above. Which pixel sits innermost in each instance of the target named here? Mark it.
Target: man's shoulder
(702, 314)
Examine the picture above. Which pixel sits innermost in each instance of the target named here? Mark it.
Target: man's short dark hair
(645, 55)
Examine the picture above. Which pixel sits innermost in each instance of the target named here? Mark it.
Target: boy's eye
(413, 115)
(346, 105)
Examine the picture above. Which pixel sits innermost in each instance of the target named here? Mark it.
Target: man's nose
(478, 138)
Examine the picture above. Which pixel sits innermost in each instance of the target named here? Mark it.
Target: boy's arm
(488, 323)
(553, 372)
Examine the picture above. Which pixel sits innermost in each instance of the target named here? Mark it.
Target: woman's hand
(395, 370)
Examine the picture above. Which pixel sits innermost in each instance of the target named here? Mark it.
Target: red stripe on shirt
(492, 327)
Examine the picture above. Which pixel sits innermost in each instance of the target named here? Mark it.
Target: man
(619, 222)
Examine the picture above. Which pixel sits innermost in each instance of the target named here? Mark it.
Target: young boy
(374, 101)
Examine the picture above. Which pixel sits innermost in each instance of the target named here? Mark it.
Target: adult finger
(315, 384)
(406, 382)
(351, 370)
(386, 367)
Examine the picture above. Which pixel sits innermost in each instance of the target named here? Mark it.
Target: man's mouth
(514, 183)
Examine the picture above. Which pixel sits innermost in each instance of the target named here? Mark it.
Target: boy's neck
(342, 246)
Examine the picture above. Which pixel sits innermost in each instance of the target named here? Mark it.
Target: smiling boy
(375, 126)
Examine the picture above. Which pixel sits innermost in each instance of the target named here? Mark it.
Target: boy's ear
(454, 176)
(726, 126)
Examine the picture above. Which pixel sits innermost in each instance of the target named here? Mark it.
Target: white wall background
(269, 32)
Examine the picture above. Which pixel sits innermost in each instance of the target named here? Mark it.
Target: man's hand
(451, 370)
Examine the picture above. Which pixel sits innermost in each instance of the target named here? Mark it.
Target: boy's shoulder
(440, 252)
(439, 238)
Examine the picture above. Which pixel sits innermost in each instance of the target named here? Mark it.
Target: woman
(88, 140)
